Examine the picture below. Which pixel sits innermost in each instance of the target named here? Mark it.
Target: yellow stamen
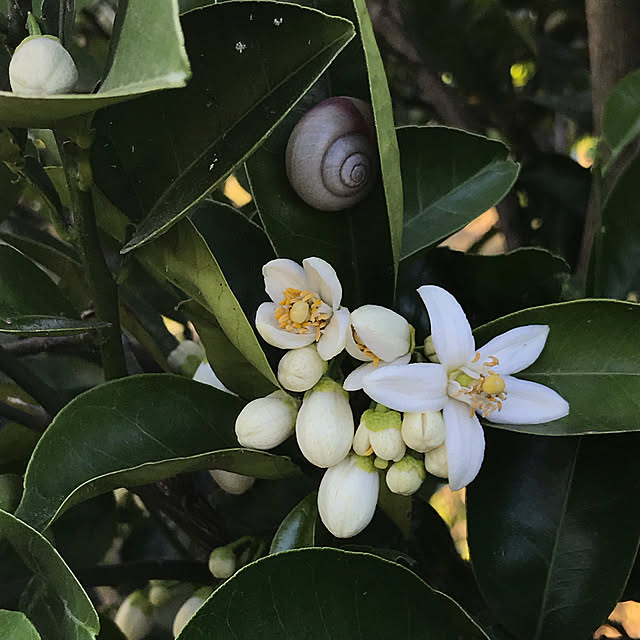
(476, 357)
(363, 347)
(298, 312)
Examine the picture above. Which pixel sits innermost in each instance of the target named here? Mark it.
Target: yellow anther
(363, 347)
(476, 357)
(299, 312)
(494, 384)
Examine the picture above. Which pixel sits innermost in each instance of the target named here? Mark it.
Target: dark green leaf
(591, 359)
(450, 177)
(109, 630)
(119, 441)
(58, 17)
(308, 593)
(10, 190)
(141, 65)
(63, 611)
(171, 160)
(16, 626)
(10, 491)
(552, 532)
(298, 529)
(16, 444)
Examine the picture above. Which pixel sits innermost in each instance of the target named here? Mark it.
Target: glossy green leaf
(170, 160)
(310, 593)
(140, 65)
(10, 491)
(117, 441)
(15, 625)
(450, 177)
(298, 529)
(591, 359)
(552, 533)
(30, 303)
(63, 609)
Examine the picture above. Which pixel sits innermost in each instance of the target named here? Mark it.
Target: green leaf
(140, 65)
(298, 529)
(15, 625)
(58, 17)
(590, 359)
(308, 593)
(450, 177)
(175, 147)
(182, 426)
(621, 115)
(550, 549)
(64, 610)
(10, 491)
(30, 303)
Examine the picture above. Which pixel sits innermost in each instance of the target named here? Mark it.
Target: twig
(81, 343)
(142, 572)
(37, 422)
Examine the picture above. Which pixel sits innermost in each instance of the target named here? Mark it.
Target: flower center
(300, 311)
(484, 393)
(363, 347)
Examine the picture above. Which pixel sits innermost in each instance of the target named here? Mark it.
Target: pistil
(299, 312)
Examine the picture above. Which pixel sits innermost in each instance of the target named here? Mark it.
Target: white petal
(529, 403)
(516, 349)
(334, 336)
(353, 350)
(464, 442)
(450, 328)
(270, 330)
(355, 380)
(323, 280)
(382, 330)
(205, 374)
(412, 387)
(281, 274)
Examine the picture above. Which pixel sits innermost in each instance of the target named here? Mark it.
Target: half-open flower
(305, 306)
(379, 433)
(467, 381)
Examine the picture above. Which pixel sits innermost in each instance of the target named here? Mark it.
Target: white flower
(379, 337)
(232, 483)
(41, 66)
(135, 616)
(406, 476)
(324, 427)
(206, 375)
(300, 369)
(423, 431)
(348, 496)
(467, 381)
(222, 563)
(379, 433)
(267, 422)
(188, 609)
(305, 307)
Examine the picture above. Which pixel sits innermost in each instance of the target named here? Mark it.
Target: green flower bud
(135, 616)
(223, 563)
(406, 476)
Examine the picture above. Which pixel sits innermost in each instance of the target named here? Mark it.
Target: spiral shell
(332, 155)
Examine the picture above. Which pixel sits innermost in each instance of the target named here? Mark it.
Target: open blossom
(467, 381)
(305, 307)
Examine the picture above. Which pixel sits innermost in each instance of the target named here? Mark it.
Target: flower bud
(188, 609)
(300, 369)
(324, 427)
(232, 483)
(205, 374)
(135, 616)
(379, 333)
(41, 66)
(435, 462)
(423, 431)
(223, 563)
(186, 358)
(267, 422)
(348, 496)
(159, 592)
(406, 476)
(379, 432)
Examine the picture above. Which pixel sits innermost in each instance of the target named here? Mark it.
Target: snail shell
(332, 154)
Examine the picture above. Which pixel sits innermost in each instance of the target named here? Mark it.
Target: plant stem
(47, 397)
(142, 572)
(33, 421)
(74, 151)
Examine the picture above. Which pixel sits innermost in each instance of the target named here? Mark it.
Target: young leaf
(119, 440)
(15, 625)
(346, 595)
(298, 529)
(551, 532)
(450, 177)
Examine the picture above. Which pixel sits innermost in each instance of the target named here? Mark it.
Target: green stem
(32, 25)
(74, 151)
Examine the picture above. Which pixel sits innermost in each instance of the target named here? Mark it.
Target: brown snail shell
(332, 154)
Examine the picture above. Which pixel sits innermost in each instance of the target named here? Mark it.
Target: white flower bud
(379, 431)
(383, 332)
(406, 476)
(135, 616)
(223, 563)
(435, 461)
(324, 427)
(159, 592)
(423, 431)
(232, 483)
(348, 496)
(186, 358)
(206, 375)
(300, 369)
(41, 66)
(267, 422)
(190, 606)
